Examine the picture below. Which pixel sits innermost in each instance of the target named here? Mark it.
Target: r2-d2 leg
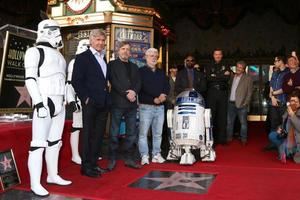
(175, 150)
(187, 158)
(207, 152)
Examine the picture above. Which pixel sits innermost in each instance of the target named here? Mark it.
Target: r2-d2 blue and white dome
(190, 125)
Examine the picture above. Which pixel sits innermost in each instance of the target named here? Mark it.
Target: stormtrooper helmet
(83, 45)
(49, 31)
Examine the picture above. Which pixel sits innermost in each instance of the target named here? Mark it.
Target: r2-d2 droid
(190, 125)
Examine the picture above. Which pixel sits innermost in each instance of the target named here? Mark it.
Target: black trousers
(94, 124)
(275, 116)
(217, 101)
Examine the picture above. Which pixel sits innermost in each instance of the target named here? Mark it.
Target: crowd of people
(283, 111)
(127, 88)
(126, 91)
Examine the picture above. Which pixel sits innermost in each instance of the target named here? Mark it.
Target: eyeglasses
(190, 60)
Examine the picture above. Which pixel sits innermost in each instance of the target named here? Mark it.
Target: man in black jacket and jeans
(125, 84)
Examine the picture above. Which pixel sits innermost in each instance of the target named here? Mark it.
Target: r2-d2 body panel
(188, 124)
(190, 128)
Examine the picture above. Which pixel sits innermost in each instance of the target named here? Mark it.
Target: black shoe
(100, 170)
(90, 173)
(132, 164)
(111, 165)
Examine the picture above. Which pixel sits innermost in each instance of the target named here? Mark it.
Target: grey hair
(243, 63)
(151, 50)
(96, 33)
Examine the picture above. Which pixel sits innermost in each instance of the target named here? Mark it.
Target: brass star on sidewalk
(180, 179)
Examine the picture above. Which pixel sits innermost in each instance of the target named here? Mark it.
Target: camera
(283, 134)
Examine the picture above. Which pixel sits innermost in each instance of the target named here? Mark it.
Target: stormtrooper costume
(75, 103)
(45, 72)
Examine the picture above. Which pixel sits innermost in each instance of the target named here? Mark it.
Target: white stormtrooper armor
(190, 125)
(74, 101)
(45, 72)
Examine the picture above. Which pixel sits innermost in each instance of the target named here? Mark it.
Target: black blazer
(123, 79)
(199, 83)
(89, 81)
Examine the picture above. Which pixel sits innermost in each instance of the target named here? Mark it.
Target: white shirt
(235, 84)
(100, 58)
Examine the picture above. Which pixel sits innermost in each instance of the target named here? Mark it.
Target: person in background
(171, 98)
(292, 79)
(287, 135)
(75, 104)
(218, 75)
(277, 96)
(154, 90)
(190, 78)
(170, 103)
(240, 95)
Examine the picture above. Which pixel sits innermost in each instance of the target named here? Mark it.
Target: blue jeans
(274, 139)
(233, 111)
(281, 144)
(131, 133)
(153, 116)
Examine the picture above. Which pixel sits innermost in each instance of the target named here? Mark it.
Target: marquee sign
(139, 38)
(78, 6)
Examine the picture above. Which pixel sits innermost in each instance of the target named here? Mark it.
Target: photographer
(287, 136)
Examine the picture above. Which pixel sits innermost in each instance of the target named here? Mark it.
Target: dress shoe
(111, 165)
(100, 170)
(90, 173)
(132, 164)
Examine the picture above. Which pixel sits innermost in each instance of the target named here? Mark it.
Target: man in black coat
(90, 82)
(189, 77)
(125, 85)
(218, 75)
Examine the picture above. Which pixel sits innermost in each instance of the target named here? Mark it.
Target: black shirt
(154, 83)
(215, 75)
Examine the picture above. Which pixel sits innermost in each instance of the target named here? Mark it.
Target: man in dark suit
(125, 85)
(189, 77)
(91, 85)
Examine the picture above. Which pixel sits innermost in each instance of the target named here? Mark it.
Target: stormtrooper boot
(35, 164)
(52, 154)
(74, 141)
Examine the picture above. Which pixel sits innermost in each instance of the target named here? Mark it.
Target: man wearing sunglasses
(190, 77)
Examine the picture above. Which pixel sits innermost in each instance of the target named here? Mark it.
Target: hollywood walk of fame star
(24, 95)
(180, 179)
(6, 163)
